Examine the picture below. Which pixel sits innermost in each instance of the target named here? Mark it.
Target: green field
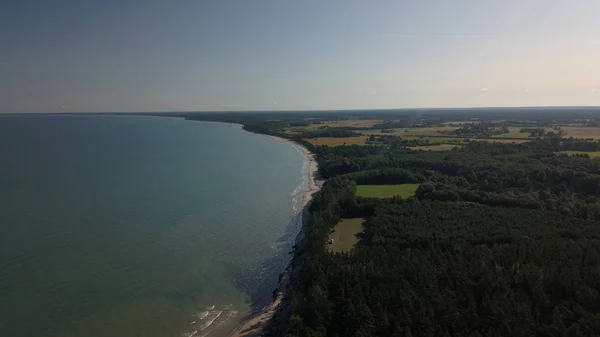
(386, 191)
(345, 234)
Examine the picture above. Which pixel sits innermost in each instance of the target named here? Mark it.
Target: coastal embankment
(259, 323)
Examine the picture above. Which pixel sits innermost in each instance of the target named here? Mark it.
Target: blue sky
(83, 55)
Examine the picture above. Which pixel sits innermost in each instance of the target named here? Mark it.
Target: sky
(184, 55)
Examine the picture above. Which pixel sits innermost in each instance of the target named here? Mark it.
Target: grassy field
(591, 154)
(582, 132)
(386, 191)
(345, 235)
(441, 147)
(330, 141)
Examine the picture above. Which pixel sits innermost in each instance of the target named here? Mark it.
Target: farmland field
(386, 191)
(345, 235)
(331, 141)
(582, 132)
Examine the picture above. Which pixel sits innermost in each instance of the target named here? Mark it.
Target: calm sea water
(140, 226)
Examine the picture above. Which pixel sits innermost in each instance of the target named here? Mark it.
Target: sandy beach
(254, 326)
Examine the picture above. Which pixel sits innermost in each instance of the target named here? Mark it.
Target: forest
(499, 240)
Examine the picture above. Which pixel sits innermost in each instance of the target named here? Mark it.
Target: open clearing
(331, 141)
(345, 235)
(591, 154)
(582, 132)
(386, 191)
(441, 147)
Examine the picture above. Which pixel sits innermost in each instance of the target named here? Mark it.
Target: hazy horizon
(532, 107)
(119, 56)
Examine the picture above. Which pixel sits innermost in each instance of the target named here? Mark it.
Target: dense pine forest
(498, 240)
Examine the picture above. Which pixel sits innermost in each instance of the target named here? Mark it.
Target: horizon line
(308, 110)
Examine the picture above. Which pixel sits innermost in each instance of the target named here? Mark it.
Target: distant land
(491, 227)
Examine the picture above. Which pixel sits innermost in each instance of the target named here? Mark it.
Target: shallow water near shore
(141, 226)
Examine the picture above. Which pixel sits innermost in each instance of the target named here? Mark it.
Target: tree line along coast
(453, 223)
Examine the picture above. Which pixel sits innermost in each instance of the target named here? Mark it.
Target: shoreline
(256, 325)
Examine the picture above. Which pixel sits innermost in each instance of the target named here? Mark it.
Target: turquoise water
(138, 226)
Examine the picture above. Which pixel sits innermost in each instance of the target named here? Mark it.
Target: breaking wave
(206, 322)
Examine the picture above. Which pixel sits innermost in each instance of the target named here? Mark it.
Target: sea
(140, 225)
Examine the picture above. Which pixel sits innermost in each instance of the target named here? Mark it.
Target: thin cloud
(484, 89)
(594, 90)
